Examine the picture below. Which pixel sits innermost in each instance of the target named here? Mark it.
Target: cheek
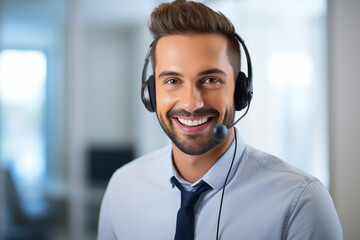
(222, 104)
(164, 101)
(222, 100)
(229, 95)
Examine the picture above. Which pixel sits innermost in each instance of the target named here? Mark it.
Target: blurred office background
(70, 108)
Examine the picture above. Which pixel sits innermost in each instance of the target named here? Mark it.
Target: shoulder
(152, 158)
(309, 207)
(146, 165)
(272, 165)
(268, 171)
(312, 215)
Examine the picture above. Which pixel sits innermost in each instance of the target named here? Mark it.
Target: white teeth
(193, 123)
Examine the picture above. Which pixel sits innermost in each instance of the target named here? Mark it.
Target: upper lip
(191, 118)
(197, 114)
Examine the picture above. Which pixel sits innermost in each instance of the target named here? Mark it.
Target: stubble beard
(189, 146)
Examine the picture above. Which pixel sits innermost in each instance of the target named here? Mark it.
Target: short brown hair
(186, 17)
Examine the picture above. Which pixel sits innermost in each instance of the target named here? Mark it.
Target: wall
(107, 87)
(344, 97)
(2, 177)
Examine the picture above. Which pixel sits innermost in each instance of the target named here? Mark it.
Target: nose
(191, 98)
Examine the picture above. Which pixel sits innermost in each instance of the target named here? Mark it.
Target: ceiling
(126, 12)
(104, 12)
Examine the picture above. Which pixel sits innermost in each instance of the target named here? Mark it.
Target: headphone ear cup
(148, 94)
(240, 96)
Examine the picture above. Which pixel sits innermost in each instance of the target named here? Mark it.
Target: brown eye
(211, 83)
(172, 81)
(211, 80)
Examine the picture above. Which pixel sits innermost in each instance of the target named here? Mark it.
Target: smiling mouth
(193, 123)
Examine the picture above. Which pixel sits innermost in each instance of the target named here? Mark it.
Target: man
(199, 187)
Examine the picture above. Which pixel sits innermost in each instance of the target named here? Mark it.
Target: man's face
(194, 89)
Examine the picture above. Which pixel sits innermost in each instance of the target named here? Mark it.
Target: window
(22, 143)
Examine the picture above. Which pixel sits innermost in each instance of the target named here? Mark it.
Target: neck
(193, 167)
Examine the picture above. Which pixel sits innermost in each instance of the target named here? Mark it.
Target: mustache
(201, 112)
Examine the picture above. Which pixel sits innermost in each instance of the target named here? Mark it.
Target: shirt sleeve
(105, 228)
(314, 216)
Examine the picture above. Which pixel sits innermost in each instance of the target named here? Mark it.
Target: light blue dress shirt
(265, 198)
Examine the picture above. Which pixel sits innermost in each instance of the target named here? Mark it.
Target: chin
(193, 147)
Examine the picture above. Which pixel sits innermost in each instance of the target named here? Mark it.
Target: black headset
(243, 87)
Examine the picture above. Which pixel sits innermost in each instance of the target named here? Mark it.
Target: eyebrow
(169, 73)
(209, 71)
(212, 71)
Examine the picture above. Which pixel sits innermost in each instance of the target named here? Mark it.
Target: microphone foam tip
(219, 132)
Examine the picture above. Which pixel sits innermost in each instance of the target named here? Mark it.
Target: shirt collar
(215, 177)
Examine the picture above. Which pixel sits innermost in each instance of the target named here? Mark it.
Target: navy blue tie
(185, 215)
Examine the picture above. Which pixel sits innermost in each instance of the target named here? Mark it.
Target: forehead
(192, 53)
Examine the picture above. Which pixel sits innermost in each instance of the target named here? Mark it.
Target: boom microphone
(220, 131)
